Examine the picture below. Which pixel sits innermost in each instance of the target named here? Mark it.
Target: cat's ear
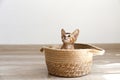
(62, 32)
(75, 33)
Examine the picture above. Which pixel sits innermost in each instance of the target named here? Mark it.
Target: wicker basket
(70, 63)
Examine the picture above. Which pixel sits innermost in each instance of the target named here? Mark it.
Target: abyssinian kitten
(69, 39)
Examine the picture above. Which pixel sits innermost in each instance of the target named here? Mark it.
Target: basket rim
(90, 45)
(92, 48)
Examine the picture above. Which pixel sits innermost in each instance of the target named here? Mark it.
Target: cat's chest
(69, 46)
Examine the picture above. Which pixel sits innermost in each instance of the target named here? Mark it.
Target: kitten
(68, 39)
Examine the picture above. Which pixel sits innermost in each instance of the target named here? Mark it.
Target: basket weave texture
(69, 63)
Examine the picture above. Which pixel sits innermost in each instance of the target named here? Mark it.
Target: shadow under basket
(70, 62)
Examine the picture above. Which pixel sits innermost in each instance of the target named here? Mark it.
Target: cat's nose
(65, 38)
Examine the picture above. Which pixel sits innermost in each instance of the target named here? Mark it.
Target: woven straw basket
(70, 63)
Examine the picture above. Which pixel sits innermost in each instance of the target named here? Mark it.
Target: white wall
(40, 21)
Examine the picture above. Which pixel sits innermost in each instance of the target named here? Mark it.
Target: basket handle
(97, 52)
(42, 50)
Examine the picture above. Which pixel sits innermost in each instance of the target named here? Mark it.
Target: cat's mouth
(66, 41)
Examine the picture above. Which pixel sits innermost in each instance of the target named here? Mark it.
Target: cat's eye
(68, 35)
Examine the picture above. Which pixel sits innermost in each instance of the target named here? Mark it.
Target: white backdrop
(40, 21)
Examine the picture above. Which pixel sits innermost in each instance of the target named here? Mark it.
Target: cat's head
(69, 37)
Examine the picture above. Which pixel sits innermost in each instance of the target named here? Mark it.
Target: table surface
(25, 62)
